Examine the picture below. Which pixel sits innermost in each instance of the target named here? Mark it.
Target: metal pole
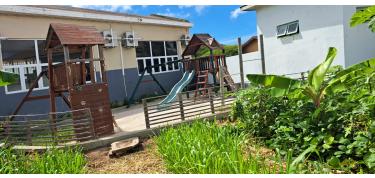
(241, 62)
(262, 54)
(123, 69)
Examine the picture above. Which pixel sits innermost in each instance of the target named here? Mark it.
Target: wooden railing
(47, 129)
(185, 108)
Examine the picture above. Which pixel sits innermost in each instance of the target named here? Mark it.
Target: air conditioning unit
(110, 38)
(129, 40)
(185, 40)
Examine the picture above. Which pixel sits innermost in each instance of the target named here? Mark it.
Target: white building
(296, 38)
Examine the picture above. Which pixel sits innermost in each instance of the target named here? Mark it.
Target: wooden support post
(221, 84)
(92, 72)
(102, 67)
(211, 101)
(28, 131)
(52, 94)
(241, 63)
(68, 71)
(52, 127)
(212, 66)
(181, 104)
(145, 110)
(262, 54)
(83, 66)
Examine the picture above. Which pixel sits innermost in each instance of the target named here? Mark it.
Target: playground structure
(71, 76)
(198, 68)
(207, 65)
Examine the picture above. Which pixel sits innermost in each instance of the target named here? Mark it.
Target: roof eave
(89, 16)
(248, 7)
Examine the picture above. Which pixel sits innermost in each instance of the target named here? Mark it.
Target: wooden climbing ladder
(228, 79)
(201, 84)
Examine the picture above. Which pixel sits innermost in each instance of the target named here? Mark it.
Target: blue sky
(225, 23)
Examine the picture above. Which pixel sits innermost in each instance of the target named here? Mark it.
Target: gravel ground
(145, 161)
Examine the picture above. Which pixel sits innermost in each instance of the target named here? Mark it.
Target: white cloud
(198, 9)
(112, 8)
(235, 13)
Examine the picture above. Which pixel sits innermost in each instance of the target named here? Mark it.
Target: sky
(224, 23)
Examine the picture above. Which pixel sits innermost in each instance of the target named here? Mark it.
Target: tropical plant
(364, 16)
(7, 78)
(317, 84)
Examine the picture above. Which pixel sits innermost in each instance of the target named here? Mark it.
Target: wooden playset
(73, 77)
(207, 65)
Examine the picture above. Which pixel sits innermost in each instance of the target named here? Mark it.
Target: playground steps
(201, 85)
(228, 79)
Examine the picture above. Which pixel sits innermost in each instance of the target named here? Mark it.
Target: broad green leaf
(316, 76)
(334, 162)
(279, 85)
(366, 15)
(7, 78)
(302, 156)
(370, 160)
(345, 78)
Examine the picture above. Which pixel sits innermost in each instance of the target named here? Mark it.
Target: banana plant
(7, 78)
(317, 85)
(283, 85)
(364, 16)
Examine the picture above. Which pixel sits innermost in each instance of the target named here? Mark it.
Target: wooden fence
(47, 129)
(186, 107)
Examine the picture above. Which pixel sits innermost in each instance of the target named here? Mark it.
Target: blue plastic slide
(180, 85)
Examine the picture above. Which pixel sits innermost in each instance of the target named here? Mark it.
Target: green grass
(206, 148)
(53, 161)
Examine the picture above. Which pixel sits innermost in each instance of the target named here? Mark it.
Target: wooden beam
(83, 65)
(68, 70)
(33, 85)
(241, 62)
(30, 98)
(92, 72)
(102, 65)
(51, 80)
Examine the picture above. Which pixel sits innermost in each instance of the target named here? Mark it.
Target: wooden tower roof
(69, 34)
(201, 39)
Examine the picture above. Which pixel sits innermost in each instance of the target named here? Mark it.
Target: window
(361, 8)
(281, 30)
(160, 54)
(27, 58)
(287, 29)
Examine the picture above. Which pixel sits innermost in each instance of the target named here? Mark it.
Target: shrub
(340, 132)
(257, 110)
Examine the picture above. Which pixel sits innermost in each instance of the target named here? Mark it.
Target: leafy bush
(208, 148)
(340, 132)
(53, 161)
(257, 110)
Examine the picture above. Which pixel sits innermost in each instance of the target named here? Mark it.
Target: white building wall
(319, 28)
(359, 40)
(251, 65)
